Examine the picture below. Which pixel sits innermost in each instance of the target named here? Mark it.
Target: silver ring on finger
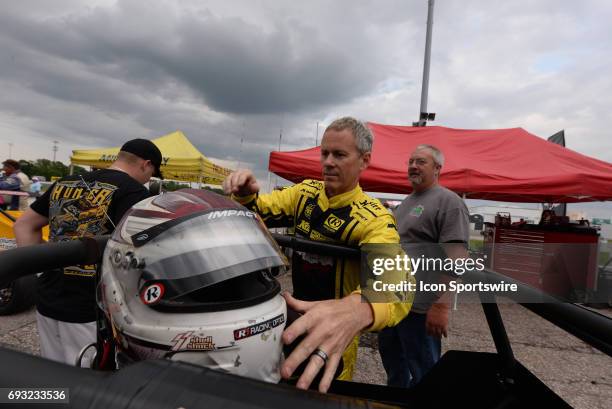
(321, 354)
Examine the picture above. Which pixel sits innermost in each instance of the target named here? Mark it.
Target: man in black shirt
(82, 206)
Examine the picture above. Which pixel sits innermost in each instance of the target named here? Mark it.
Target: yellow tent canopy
(180, 160)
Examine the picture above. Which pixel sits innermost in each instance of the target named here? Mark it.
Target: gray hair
(436, 153)
(363, 136)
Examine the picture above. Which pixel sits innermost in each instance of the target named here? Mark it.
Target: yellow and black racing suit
(352, 218)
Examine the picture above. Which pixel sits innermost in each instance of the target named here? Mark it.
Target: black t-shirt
(81, 206)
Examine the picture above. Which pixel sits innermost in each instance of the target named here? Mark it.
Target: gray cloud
(233, 65)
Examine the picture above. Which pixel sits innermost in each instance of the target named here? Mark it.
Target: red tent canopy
(509, 165)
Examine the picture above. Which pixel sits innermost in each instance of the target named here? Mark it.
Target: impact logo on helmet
(152, 293)
(259, 328)
(226, 213)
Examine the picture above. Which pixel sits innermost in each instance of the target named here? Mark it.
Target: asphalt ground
(578, 373)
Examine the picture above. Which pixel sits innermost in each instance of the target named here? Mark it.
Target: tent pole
(71, 169)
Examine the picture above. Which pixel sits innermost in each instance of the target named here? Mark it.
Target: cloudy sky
(96, 73)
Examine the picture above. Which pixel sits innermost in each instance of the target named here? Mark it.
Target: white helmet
(189, 276)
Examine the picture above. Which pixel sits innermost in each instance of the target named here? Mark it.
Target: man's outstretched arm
(28, 228)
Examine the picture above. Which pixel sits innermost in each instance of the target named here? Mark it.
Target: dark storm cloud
(96, 76)
(234, 66)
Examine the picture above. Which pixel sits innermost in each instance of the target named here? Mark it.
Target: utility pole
(240, 154)
(10, 150)
(241, 142)
(54, 149)
(425, 116)
(280, 137)
(317, 137)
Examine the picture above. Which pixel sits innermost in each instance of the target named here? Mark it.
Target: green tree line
(48, 168)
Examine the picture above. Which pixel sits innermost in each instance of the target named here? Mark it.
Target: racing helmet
(189, 276)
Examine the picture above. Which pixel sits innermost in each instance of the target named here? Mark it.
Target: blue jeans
(407, 352)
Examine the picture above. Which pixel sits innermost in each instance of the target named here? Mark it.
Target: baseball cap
(145, 149)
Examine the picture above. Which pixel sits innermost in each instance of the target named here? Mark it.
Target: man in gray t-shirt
(433, 223)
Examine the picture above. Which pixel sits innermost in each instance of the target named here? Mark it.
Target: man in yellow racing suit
(336, 211)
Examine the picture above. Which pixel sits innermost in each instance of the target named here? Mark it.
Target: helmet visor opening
(207, 249)
(239, 292)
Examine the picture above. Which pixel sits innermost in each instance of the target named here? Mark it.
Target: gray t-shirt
(437, 215)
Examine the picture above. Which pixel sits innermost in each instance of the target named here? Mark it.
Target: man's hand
(329, 326)
(436, 323)
(241, 183)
